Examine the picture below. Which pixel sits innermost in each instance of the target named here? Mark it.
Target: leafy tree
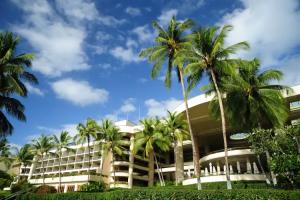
(5, 154)
(85, 134)
(61, 143)
(177, 129)
(152, 139)
(209, 55)
(41, 147)
(167, 44)
(13, 71)
(112, 141)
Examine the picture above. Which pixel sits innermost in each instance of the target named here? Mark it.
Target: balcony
(66, 179)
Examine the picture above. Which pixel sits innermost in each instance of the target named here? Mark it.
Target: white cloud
(34, 90)
(133, 11)
(128, 106)
(113, 117)
(166, 15)
(290, 69)
(79, 92)
(271, 27)
(142, 80)
(126, 54)
(71, 128)
(144, 33)
(160, 108)
(102, 36)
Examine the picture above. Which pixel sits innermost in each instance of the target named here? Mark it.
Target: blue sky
(87, 53)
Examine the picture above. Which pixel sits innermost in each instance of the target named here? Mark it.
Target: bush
(174, 193)
(44, 189)
(4, 183)
(93, 187)
(21, 185)
(4, 194)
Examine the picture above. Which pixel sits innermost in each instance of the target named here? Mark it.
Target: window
(295, 105)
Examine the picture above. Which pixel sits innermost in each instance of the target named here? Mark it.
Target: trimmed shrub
(44, 189)
(172, 194)
(93, 186)
(21, 185)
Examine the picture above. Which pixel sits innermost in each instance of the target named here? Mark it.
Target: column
(189, 173)
(65, 188)
(238, 167)
(210, 168)
(224, 171)
(230, 169)
(218, 168)
(76, 187)
(214, 170)
(206, 172)
(255, 169)
(32, 167)
(249, 170)
(131, 160)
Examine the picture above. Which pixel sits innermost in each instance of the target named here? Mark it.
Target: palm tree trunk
(151, 169)
(59, 167)
(43, 169)
(223, 128)
(89, 159)
(179, 164)
(195, 147)
(114, 171)
(262, 170)
(158, 170)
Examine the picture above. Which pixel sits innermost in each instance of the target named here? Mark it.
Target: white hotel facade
(132, 170)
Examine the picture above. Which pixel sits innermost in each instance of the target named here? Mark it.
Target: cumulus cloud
(128, 106)
(126, 54)
(166, 15)
(70, 128)
(79, 92)
(133, 11)
(160, 108)
(271, 27)
(290, 69)
(144, 33)
(34, 90)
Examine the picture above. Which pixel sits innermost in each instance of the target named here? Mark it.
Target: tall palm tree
(13, 71)
(152, 139)
(61, 142)
(24, 156)
(252, 95)
(167, 44)
(177, 128)
(112, 141)
(85, 134)
(41, 147)
(5, 153)
(209, 55)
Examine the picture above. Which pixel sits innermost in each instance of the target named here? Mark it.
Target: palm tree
(209, 54)
(12, 73)
(41, 147)
(24, 156)
(112, 141)
(252, 95)
(85, 134)
(176, 127)
(152, 139)
(61, 142)
(168, 42)
(5, 153)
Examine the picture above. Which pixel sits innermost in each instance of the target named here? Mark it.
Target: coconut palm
(209, 55)
(152, 139)
(13, 71)
(177, 128)
(5, 153)
(112, 141)
(86, 133)
(41, 147)
(167, 43)
(61, 143)
(23, 156)
(252, 95)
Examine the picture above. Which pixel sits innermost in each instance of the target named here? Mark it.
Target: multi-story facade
(129, 169)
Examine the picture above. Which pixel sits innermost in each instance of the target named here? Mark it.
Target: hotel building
(132, 170)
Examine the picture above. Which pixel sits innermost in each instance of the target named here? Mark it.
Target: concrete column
(214, 170)
(189, 173)
(76, 187)
(32, 167)
(65, 188)
(255, 169)
(238, 167)
(131, 162)
(210, 168)
(249, 170)
(231, 169)
(224, 171)
(218, 168)
(206, 172)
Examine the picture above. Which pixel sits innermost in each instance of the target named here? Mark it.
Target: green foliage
(93, 187)
(5, 179)
(45, 189)
(21, 185)
(172, 194)
(4, 194)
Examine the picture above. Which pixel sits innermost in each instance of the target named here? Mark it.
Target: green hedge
(173, 194)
